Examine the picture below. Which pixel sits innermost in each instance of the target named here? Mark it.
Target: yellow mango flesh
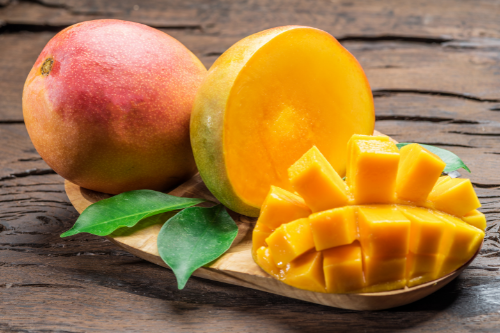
(374, 246)
(259, 235)
(384, 273)
(421, 268)
(383, 231)
(334, 227)
(418, 171)
(317, 182)
(265, 102)
(307, 270)
(343, 268)
(374, 167)
(281, 206)
(290, 241)
(427, 230)
(476, 219)
(454, 196)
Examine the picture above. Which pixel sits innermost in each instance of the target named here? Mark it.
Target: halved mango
(265, 102)
(379, 246)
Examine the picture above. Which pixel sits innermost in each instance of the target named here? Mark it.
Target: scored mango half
(393, 222)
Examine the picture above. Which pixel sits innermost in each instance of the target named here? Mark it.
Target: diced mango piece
(313, 177)
(426, 231)
(454, 196)
(334, 227)
(265, 261)
(350, 151)
(259, 235)
(307, 271)
(384, 273)
(418, 171)
(441, 180)
(460, 245)
(421, 268)
(476, 219)
(373, 171)
(384, 231)
(343, 267)
(290, 240)
(281, 206)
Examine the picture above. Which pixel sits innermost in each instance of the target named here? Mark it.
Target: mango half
(265, 102)
(394, 222)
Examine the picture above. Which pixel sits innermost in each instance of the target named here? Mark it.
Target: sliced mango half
(393, 223)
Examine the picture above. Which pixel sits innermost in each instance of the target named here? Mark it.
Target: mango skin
(112, 115)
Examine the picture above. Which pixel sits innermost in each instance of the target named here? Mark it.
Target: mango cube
(454, 196)
(373, 169)
(317, 182)
(384, 232)
(290, 241)
(343, 267)
(426, 231)
(418, 171)
(476, 219)
(461, 244)
(307, 270)
(421, 268)
(266, 262)
(333, 227)
(259, 235)
(350, 151)
(281, 206)
(384, 273)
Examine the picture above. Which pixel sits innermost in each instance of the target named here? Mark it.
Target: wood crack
(39, 285)
(471, 133)
(29, 172)
(389, 92)
(395, 38)
(426, 119)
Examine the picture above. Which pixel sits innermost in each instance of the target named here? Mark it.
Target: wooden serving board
(237, 266)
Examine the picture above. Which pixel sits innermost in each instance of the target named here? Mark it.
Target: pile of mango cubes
(393, 222)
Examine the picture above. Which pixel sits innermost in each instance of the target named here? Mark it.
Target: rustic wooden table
(434, 67)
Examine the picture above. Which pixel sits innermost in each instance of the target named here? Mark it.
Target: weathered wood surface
(434, 67)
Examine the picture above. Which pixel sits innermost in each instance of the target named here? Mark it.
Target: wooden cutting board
(237, 267)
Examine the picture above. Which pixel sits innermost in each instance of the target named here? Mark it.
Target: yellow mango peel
(393, 223)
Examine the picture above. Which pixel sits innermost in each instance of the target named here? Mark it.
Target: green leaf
(453, 162)
(195, 237)
(125, 210)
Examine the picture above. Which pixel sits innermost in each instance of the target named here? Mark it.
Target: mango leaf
(125, 210)
(195, 237)
(453, 162)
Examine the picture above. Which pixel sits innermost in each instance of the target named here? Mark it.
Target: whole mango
(107, 105)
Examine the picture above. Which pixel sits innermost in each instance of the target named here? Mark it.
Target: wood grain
(88, 284)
